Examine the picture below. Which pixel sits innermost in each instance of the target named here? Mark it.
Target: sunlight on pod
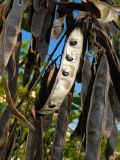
(9, 35)
(67, 72)
(108, 12)
(58, 27)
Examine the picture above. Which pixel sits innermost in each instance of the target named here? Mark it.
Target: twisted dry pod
(11, 29)
(108, 12)
(67, 73)
(96, 113)
(58, 26)
(12, 26)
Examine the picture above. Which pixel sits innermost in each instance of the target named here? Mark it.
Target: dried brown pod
(61, 128)
(37, 19)
(10, 33)
(80, 130)
(96, 112)
(108, 12)
(12, 26)
(30, 146)
(58, 26)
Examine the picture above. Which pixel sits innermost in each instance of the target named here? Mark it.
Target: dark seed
(69, 58)
(73, 43)
(52, 105)
(65, 73)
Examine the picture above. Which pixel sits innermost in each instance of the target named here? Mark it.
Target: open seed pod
(67, 72)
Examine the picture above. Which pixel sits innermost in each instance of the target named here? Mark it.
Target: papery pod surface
(96, 112)
(11, 29)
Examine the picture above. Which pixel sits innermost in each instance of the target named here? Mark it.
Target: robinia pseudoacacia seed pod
(58, 26)
(67, 72)
(108, 12)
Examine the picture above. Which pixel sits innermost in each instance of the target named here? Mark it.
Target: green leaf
(3, 106)
(76, 100)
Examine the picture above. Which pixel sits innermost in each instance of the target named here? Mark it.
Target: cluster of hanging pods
(72, 54)
(89, 30)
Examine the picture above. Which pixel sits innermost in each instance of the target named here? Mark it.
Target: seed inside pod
(65, 73)
(69, 58)
(73, 43)
(51, 105)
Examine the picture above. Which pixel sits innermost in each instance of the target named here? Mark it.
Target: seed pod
(108, 120)
(86, 76)
(47, 122)
(30, 146)
(12, 28)
(58, 25)
(47, 84)
(37, 4)
(85, 92)
(113, 59)
(62, 122)
(9, 34)
(63, 83)
(2, 10)
(44, 37)
(115, 103)
(37, 21)
(108, 12)
(32, 63)
(29, 66)
(111, 143)
(3, 138)
(96, 112)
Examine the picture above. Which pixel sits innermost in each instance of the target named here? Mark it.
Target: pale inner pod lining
(108, 13)
(67, 72)
(104, 17)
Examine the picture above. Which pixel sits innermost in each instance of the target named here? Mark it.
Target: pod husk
(58, 26)
(86, 77)
(37, 17)
(111, 143)
(61, 129)
(46, 86)
(12, 78)
(96, 112)
(44, 38)
(30, 146)
(12, 26)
